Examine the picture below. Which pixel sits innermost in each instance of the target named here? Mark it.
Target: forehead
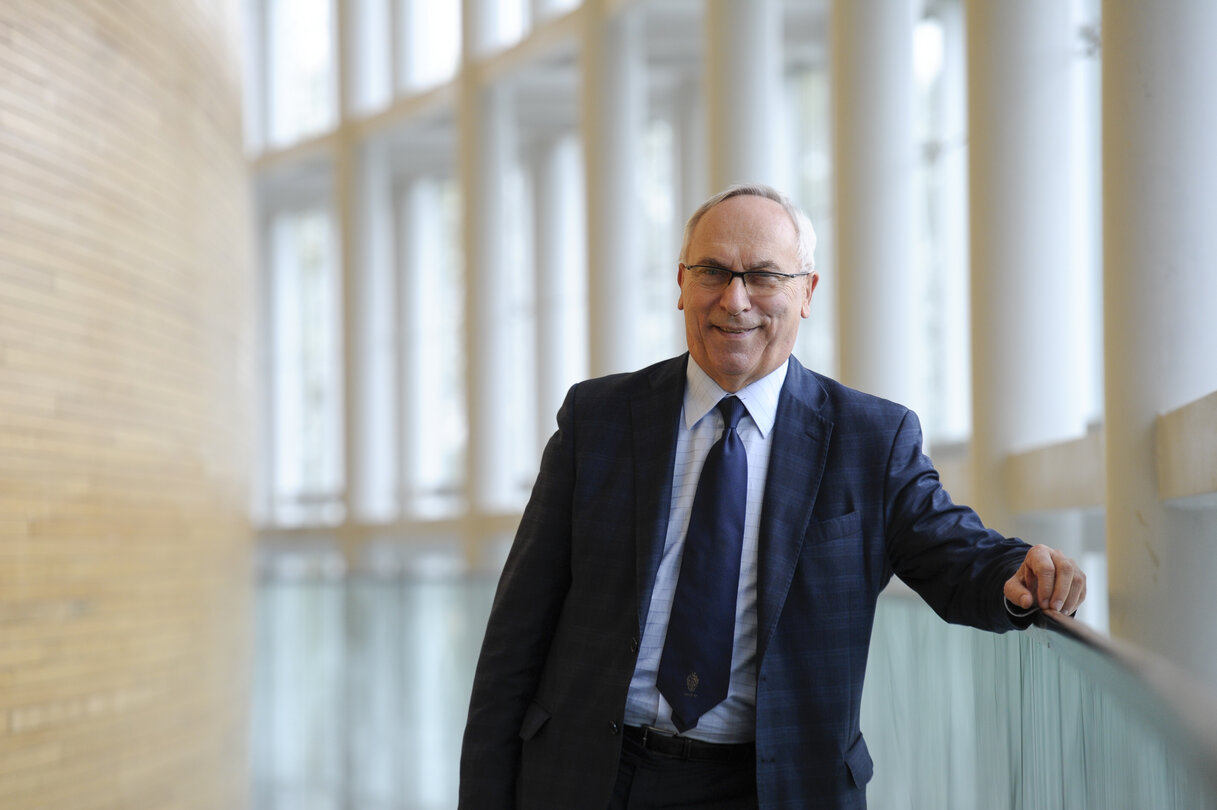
(747, 226)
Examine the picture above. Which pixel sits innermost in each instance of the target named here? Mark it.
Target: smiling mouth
(727, 330)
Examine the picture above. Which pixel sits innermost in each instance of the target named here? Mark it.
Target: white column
(613, 107)
(479, 29)
(346, 191)
(689, 141)
(743, 80)
(370, 51)
(1027, 368)
(410, 257)
(372, 422)
(482, 124)
(875, 163)
(1160, 249)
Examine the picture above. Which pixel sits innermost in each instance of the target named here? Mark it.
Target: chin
(733, 370)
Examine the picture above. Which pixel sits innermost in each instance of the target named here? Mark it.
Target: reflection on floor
(360, 692)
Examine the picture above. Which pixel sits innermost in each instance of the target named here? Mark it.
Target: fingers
(1055, 580)
(1070, 587)
(1077, 595)
(1017, 592)
(1039, 559)
(1069, 584)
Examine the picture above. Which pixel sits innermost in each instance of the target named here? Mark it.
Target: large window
(430, 37)
(305, 363)
(941, 226)
(300, 78)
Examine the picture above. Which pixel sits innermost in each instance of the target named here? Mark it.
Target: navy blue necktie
(695, 667)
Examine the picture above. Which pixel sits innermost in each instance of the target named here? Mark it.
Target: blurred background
(291, 291)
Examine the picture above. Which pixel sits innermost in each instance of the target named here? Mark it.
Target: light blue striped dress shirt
(733, 720)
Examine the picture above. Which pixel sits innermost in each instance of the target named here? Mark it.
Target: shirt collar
(760, 398)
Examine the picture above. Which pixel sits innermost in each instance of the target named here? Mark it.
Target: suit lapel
(654, 415)
(797, 458)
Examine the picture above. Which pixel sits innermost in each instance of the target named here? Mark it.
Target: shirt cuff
(1018, 612)
(1020, 617)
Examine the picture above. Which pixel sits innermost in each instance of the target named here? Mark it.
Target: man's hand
(1049, 579)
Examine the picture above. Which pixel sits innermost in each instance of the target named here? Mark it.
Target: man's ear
(680, 282)
(812, 281)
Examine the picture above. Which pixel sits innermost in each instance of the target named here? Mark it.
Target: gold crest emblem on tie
(692, 681)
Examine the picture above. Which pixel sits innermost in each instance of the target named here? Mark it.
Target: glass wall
(383, 388)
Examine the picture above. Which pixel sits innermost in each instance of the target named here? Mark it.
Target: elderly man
(684, 617)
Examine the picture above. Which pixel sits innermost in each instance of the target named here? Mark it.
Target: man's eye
(764, 280)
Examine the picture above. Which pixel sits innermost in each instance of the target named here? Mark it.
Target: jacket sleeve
(942, 549)
(525, 611)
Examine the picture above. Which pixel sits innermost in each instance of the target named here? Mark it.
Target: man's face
(737, 337)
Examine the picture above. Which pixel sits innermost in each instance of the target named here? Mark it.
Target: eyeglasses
(757, 282)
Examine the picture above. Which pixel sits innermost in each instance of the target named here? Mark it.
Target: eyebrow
(765, 265)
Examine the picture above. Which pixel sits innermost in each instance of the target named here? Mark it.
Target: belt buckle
(685, 742)
(646, 734)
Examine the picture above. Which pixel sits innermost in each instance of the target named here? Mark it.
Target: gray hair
(804, 233)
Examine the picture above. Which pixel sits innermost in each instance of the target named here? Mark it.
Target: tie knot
(732, 410)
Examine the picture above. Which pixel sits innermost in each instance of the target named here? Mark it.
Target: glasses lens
(757, 282)
(711, 278)
(764, 283)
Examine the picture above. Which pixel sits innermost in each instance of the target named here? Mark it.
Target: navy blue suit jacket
(850, 499)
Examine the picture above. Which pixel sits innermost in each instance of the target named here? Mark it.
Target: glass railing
(361, 688)
(1053, 717)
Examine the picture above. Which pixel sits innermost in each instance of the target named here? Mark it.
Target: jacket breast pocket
(834, 565)
(835, 528)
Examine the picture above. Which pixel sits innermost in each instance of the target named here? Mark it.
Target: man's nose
(735, 296)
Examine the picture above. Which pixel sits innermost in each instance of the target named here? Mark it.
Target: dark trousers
(651, 781)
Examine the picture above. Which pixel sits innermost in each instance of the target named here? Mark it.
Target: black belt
(671, 745)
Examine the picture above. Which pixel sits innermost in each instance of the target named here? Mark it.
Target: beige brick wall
(125, 404)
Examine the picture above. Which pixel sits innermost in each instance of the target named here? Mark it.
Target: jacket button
(614, 728)
(634, 644)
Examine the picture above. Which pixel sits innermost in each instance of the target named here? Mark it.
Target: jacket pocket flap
(534, 717)
(857, 759)
(825, 531)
